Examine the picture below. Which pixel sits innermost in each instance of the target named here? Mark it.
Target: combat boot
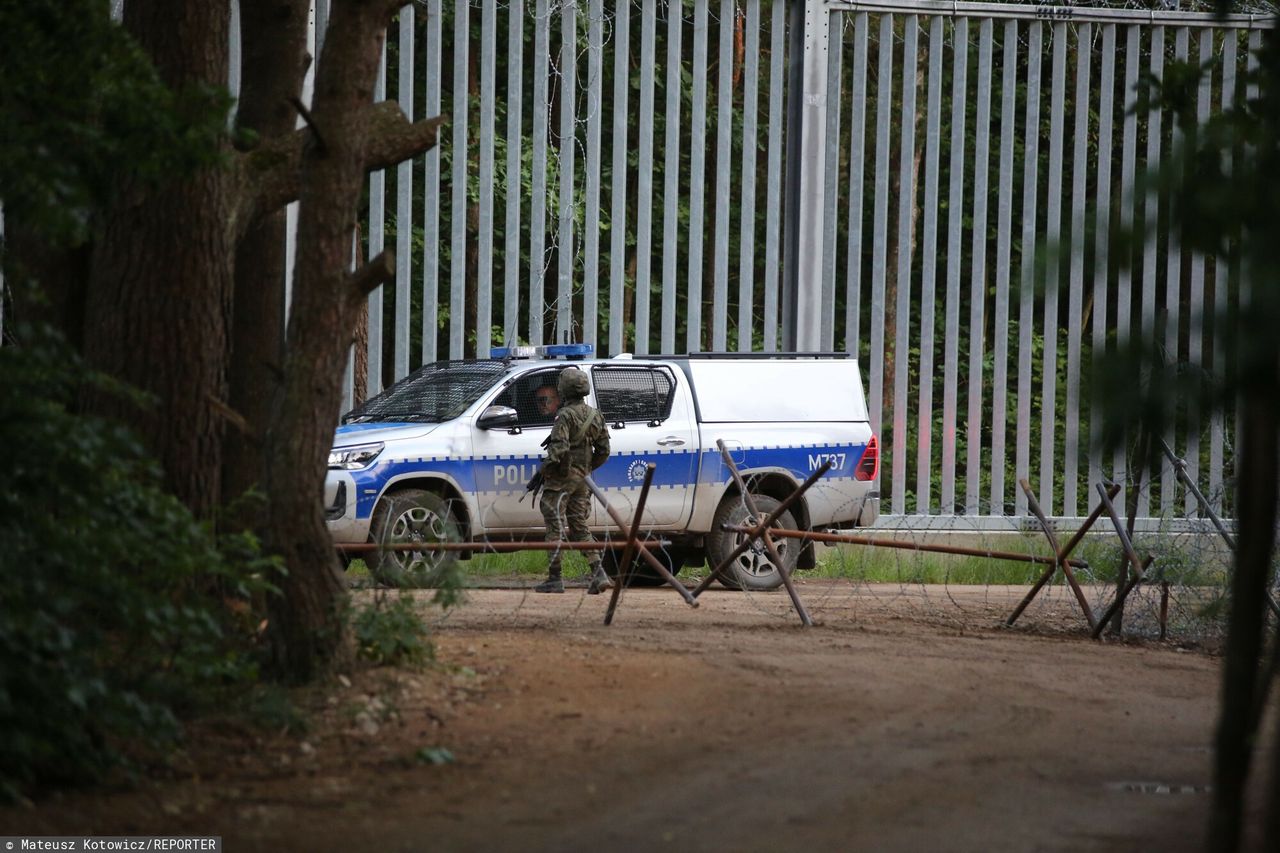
(599, 581)
(553, 583)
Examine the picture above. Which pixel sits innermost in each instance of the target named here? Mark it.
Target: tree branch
(394, 139)
(367, 279)
(272, 173)
(231, 416)
(311, 123)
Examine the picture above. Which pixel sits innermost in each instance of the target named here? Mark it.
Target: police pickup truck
(447, 452)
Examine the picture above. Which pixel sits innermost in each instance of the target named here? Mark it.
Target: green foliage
(531, 563)
(435, 755)
(390, 632)
(884, 565)
(1223, 182)
(270, 707)
(120, 612)
(81, 103)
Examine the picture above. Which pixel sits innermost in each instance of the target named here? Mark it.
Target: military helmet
(573, 384)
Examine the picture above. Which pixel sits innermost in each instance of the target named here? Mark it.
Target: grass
(1182, 561)
(530, 564)
(875, 565)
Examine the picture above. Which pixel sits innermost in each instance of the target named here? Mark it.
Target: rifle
(534, 487)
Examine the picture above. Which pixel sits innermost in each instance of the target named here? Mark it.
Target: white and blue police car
(447, 452)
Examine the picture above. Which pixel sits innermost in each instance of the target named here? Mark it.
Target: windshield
(434, 393)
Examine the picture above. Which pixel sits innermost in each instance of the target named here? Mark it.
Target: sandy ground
(908, 719)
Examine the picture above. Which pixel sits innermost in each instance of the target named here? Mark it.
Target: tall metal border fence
(604, 147)
(981, 159)
(613, 172)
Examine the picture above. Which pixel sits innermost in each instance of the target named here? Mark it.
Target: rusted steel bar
(1180, 468)
(1126, 544)
(495, 547)
(1113, 490)
(764, 534)
(624, 565)
(1063, 554)
(1164, 608)
(1031, 594)
(1034, 506)
(1123, 594)
(653, 561)
(764, 523)
(1132, 556)
(1135, 499)
(840, 538)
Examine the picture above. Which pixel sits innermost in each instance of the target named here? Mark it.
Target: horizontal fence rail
(1052, 12)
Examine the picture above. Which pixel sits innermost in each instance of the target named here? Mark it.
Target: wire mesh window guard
(433, 393)
(631, 394)
(535, 398)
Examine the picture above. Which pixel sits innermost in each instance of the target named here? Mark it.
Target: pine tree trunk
(1257, 500)
(274, 42)
(162, 273)
(307, 629)
(360, 355)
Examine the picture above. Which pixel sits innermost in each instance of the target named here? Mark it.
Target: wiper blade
(398, 418)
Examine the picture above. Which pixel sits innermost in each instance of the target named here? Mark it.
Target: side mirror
(496, 417)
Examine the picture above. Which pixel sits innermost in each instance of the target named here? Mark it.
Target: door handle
(670, 441)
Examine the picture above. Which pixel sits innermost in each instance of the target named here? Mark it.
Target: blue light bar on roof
(548, 351)
(513, 352)
(568, 350)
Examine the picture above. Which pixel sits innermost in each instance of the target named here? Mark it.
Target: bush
(389, 631)
(110, 628)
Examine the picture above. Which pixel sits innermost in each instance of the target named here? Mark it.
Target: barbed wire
(862, 579)
(1182, 599)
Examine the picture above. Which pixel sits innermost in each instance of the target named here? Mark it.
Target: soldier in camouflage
(578, 444)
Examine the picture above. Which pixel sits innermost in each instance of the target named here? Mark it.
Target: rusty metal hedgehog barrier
(1150, 584)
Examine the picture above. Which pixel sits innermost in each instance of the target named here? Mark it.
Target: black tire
(412, 515)
(752, 569)
(642, 574)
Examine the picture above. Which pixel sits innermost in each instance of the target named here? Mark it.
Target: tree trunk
(360, 355)
(162, 273)
(307, 630)
(1260, 422)
(274, 41)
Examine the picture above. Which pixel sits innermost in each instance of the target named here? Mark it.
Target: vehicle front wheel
(753, 569)
(411, 516)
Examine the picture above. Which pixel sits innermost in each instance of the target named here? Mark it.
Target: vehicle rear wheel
(753, 569)
(413, 516)
(642, 574)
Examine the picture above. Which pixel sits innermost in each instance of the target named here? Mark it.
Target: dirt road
(907, 720)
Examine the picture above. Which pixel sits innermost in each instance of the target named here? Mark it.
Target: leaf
(436, 755)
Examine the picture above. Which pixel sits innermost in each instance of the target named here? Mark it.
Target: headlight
(356, 456)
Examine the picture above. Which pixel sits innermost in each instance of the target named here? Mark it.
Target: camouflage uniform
(578, 444)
